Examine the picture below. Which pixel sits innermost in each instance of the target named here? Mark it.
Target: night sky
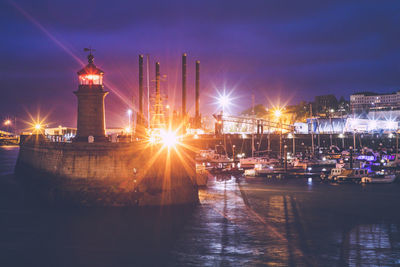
(287, 50)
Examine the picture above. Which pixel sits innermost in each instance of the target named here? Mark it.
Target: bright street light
(129, 120)
(224, 101)
(168, 138)
(278, 113)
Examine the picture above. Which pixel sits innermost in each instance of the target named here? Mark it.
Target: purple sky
(287, 50)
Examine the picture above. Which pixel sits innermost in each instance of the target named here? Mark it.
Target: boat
(212, 156)
(379, 178)
(251, 162)
(227, 170)
(333, 174)
(314, 163)
(266, 170)
(351, 175)
(250, 173)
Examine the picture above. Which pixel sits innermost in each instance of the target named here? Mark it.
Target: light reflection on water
(291, 223)
(238, 223)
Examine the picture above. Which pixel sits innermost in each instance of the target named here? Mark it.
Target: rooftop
(372, 94)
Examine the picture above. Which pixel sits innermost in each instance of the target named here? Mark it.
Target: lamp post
(129, 120)
(7, 123)
(38, 128)
(285, 152)
(294, 144)
(224, 101)
(269, 138)
(278, 114)
(291, 136)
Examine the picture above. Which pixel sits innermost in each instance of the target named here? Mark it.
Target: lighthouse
(91, 94)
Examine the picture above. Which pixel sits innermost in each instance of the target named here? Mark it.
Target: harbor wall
(110, 173)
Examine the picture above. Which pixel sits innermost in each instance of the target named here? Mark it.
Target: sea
(238, 222)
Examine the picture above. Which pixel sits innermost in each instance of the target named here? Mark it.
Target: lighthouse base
(108, 174)
(96, 139)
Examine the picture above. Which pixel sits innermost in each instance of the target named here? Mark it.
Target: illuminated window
(90, 79)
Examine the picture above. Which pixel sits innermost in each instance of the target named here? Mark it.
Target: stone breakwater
(108, 174)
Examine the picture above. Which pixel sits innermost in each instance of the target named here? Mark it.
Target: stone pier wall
(112, 173)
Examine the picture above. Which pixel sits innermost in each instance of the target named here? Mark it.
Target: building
(345, 125)
(60, 133)
(325, 103)
(366, 101)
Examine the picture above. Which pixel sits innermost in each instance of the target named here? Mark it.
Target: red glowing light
(90, 79)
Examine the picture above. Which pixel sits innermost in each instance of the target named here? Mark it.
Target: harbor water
(239, 222)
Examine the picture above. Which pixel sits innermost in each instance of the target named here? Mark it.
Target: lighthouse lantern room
(90, 75)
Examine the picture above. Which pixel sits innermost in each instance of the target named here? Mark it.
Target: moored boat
(351, 175)
(251, 162)
(379, 178)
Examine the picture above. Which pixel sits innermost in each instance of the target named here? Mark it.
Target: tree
(259, 110)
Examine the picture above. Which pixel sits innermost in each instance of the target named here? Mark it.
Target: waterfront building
(345, 125)
(60, 133)
(367, 101)
(60, 130)
(369, 125)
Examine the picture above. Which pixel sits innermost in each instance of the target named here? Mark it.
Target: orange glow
(36, 124)
(167, 138)
(278, 113)
(152, 139)
(7, 122)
